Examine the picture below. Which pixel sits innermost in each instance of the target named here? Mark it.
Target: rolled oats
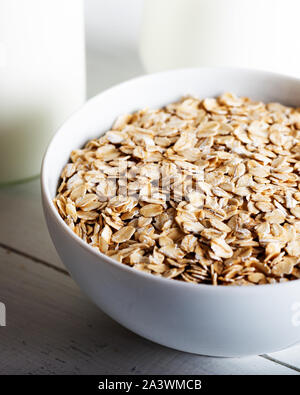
(202, 191)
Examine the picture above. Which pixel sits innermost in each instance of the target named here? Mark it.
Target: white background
(112, 38)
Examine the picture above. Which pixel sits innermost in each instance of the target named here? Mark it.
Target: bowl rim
(48, 203)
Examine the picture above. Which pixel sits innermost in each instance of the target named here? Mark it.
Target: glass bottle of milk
(259, 34)
(42, 78)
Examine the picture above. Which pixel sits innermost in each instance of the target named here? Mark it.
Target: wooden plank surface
(52, 328)
(290, 356)
(22, 223)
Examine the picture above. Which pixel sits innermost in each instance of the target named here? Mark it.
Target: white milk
(42, 78)
(261, 34)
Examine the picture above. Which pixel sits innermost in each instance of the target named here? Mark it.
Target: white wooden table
(52, 328)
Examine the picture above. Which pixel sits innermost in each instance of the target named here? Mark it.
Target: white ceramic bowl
(202, 319)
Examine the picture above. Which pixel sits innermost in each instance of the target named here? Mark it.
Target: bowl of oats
(173, 200)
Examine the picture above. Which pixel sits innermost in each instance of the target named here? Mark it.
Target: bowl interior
(154, 91)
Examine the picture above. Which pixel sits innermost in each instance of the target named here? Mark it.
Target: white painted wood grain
(52, 328)
(22, 224)
(290, 356)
